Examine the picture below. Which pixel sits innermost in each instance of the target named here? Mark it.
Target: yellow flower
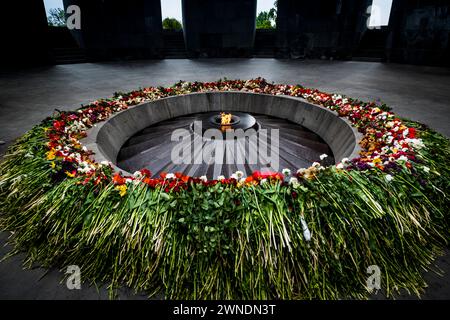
(51, 154)
(377, 160)
(53, 165)
(122, 189)
(70, 174)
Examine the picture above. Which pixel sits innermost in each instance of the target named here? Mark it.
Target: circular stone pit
(107, 138)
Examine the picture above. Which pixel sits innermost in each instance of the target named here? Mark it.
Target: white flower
(203, 178)
(242, 181)
(294, 182)
(416, 143)
(84, 149)
(316, 165)
(263, 181)
(389, 178)
(345, 160)
(128, 180)
(389, 139)
(234, 176)
(405, 133)
(239, 174)
(83, 169)
(323, 156)
(286, 172)
(402, 158)
(170, 176)
(426, 169)
(340, 166)
(220, 178)
(104, 163)
(185, 85)
(137, 174)
(301, 171)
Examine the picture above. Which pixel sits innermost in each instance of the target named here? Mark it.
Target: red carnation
(146, 173)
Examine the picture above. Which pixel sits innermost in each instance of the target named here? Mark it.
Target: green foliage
(234, 242)
(229, 242)
(56, 17)
(267, 19)
(171, 24)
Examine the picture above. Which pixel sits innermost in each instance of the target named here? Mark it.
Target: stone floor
(28, 96)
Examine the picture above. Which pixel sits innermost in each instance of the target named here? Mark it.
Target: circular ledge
(107, 137)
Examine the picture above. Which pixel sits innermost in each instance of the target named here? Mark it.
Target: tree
(56, 17)
(267, 19)
(171, 24)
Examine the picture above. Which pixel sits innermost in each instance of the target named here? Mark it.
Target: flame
(225, 119)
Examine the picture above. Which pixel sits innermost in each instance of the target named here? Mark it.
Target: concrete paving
(28, 96)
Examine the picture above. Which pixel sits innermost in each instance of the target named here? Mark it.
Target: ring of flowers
(322, 225)
(387, 141)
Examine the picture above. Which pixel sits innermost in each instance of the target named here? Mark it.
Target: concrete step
(71, 61)
(368, 59)
(69, 55)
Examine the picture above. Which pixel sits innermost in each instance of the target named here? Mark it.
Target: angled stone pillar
(219, 28)
(419, 32)
(321, 28)
(24, 34)
(352, 23)
(119, 29)
(307, 28)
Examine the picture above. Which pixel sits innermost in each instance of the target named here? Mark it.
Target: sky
(172, 8)
(381, 10)
(51, 4)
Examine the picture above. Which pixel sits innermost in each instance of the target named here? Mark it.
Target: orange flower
(178, 175)
(118, 179)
